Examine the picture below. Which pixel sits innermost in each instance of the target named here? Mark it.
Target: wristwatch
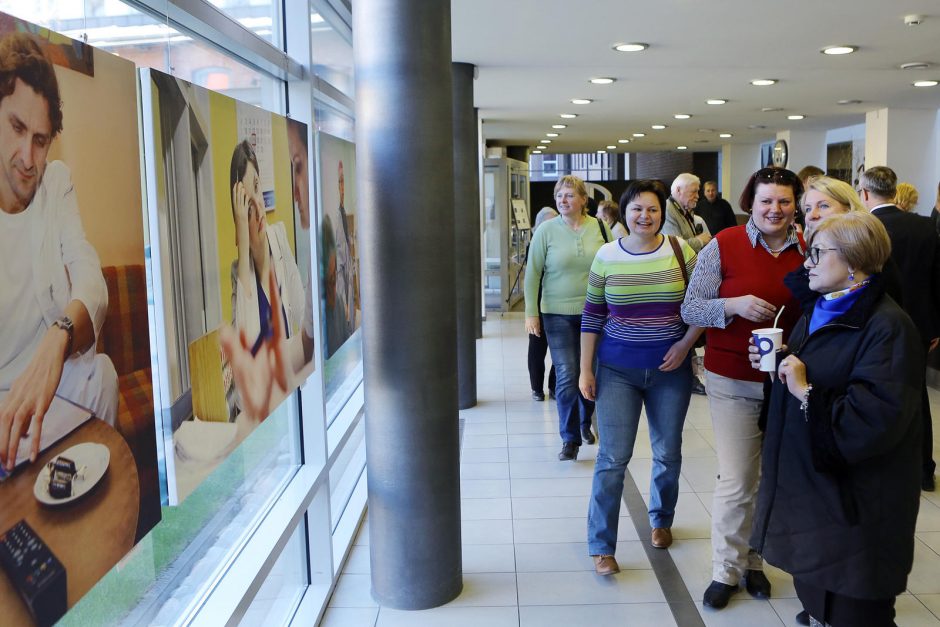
(65, 323)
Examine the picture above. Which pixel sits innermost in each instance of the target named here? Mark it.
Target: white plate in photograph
(91, 461)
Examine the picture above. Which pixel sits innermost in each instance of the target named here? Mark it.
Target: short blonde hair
(860, 237)
(837, 190)
(577, 184)
(906, 196)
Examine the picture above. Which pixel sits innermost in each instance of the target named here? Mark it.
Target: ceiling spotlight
(848, 102)
(639, 134)
(545, 141)
(725, 135)
(602, 152)
(836, 50)
(611, 148)
(568, 116)
(551, 134)
(536, 152)
(682, 147)
(915, 65)
(757, 126)
(602, 80)
(658, 127)
(581, 101)
(763, 82)
(706, 130)
(623, 141)
(716, 101)
(795, 117)
(634, 47)
(559, 126)
(770, 109)
(682, 116)
(925, 83)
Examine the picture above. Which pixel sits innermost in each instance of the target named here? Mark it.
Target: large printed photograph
(231, 262)
(78, 450)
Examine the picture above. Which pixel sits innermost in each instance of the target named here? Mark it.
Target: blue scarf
(831, 306)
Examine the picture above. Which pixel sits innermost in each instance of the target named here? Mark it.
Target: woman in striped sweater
(632, 324)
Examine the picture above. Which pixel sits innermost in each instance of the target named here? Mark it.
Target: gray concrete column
(404, 154)
(467, 231)
(478, 236)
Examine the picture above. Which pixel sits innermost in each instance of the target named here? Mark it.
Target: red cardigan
(747, 269)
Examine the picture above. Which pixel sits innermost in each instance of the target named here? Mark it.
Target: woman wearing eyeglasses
(560, 257)
(737, 287)
(840, 483)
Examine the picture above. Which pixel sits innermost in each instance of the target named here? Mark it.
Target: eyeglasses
(813, 253)
(776, 175)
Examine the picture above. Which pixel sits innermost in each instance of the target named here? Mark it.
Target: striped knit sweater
(633, 300)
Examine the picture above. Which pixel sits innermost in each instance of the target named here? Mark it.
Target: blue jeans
(620, 396)
(564, 341)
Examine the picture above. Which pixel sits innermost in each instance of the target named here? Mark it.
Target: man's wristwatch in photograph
(65, 323)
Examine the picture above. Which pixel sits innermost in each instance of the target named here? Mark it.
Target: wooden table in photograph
(88, 535)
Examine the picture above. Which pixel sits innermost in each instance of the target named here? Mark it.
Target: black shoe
(802, 618)
(551, 394)
(538, 395)
(569, 452)
(697, 386)
(717, 594)
(755, 582)
(929, 484)
(587, 435)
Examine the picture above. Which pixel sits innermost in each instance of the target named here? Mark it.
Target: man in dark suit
(915, 248)
(714, 209)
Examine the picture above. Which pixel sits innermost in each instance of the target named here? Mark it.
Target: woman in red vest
(737, 286)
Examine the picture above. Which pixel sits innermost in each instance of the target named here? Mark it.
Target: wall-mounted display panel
(80, 479)
(233, 306)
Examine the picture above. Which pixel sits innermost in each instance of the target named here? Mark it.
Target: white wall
(804, 148)
(907, 141)
(738, 163)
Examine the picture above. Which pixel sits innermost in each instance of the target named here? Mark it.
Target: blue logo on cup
(765, 345)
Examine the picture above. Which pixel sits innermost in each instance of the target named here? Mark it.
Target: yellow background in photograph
(224, 138)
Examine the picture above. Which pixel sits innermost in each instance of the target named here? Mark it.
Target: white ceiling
(534, 56)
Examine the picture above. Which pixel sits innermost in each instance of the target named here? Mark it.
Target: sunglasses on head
(776, 175)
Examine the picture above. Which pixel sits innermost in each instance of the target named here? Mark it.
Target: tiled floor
(525, 555)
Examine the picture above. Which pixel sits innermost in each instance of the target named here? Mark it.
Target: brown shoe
(605, 565)
(662, 537)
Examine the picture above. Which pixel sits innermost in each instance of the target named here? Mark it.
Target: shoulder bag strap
(678, 252)
(600, 225)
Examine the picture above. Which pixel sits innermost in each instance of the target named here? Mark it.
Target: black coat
(915, 247)
(717, 215)
(840, 484)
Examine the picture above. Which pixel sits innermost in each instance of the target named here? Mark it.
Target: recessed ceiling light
(796, 117)
(770, 109)
(682, 116)
(915, 65)
(725, 135)
(568, 116)
(763, 82)
(716, 101)
(559, 126)
(551, 134)
(839, 49)
(611, 148)
(682, 147)
(633, 47)
(848, 102)
(603, 80)
(925, 83)
(602, 152)
(639, 134)
(623, 141)
(581, 101)
(706, 130)
(545, 141)
(536, 152)
(757, 126)
(658, 127)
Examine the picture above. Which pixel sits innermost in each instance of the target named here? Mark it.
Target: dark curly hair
(22, 58)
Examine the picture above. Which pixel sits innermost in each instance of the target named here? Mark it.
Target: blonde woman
(906, 197)
(560, 257)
